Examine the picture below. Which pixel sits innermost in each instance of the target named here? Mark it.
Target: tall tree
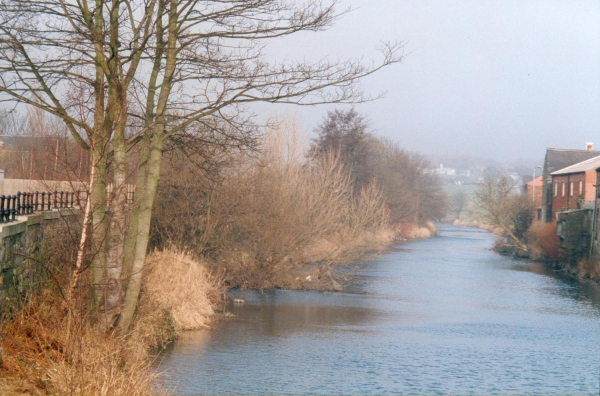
(146, 70)
(345, 132)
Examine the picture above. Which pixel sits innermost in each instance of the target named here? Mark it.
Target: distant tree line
(412, 194)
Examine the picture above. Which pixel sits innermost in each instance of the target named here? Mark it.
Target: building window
(581, 187)
(563, 189)
(571, 189)
(555, 189)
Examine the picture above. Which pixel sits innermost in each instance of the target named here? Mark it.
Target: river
(435, 316)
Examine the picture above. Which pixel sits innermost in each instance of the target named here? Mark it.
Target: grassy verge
(47, 350)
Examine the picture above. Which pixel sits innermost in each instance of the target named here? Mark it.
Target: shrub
(543, 242)
(588, 269)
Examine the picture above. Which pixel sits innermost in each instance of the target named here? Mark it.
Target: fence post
(14, 207)
(18, 206)
(2, 199)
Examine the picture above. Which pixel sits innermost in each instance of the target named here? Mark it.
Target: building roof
(12, 141)
(583, 166)
(558, 159)
(538, 181)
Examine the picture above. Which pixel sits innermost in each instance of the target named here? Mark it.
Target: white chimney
(589, 146)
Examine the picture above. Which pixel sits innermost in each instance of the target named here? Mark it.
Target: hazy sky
(502, 79)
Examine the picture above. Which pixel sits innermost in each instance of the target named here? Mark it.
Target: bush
(543, 242)
(588, 269)
(268, 214)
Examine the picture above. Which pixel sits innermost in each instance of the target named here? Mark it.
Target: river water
(435, 316)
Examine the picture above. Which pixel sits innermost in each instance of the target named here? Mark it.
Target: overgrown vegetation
(543, 242)
(264, 216)
(146, 89)
(500, 204)
(48, 349)
(508, 214)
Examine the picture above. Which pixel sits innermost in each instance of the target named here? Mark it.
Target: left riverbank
(46, 348)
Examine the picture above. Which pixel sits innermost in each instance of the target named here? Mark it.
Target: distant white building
(441, 171)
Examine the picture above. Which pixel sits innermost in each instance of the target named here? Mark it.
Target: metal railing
(26, 203)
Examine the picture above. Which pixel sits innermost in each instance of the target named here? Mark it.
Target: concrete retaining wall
(21, 267)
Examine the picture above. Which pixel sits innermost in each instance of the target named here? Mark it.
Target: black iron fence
(26, 203)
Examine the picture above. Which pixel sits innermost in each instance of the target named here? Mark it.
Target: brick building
(533, 190)
(558, 159)
(573, 187)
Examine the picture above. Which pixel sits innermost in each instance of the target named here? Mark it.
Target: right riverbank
(543, 246)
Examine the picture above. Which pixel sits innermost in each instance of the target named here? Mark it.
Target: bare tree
(144, 71)
(458, 201)
(499, 204)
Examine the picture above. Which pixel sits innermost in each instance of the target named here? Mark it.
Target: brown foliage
(47, 352)
(268, 214)
(588, 269)
(543, 242)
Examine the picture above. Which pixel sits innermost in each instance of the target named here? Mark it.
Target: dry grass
(413, 231)
(181, 285)
(543, 242)
(44, 350)
(588, 269)
(47, 352)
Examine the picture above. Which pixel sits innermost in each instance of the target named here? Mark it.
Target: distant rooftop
(583, 166)
(13, 141)
(558, 159)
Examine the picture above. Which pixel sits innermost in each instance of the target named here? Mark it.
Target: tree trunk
(154, 167)
(132, 228)
(143, 233)
(98, 193)
(513, 237)
(81, 247)
(116, 235)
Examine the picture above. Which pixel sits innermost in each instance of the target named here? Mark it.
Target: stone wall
(573, 230)
(21, 264)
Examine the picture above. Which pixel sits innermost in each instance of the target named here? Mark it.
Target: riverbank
(46, 348)
(543, 246)
(180, 293)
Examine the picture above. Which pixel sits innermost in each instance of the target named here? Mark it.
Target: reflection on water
(443, 315)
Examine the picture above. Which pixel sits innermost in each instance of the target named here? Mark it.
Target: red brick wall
(567, 197)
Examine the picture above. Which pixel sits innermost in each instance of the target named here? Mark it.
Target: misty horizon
(499, 80)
